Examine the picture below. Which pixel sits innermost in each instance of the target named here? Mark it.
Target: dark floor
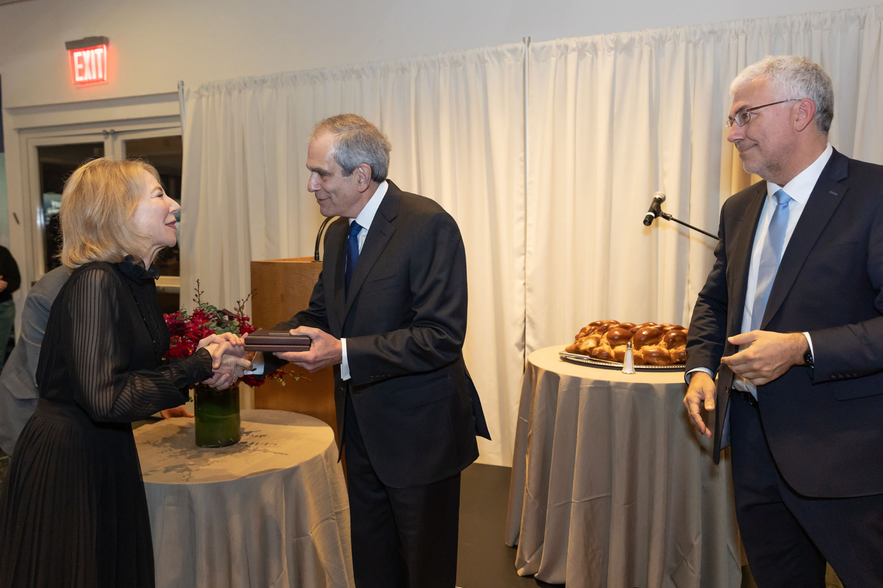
(831, 579)
(484, 559)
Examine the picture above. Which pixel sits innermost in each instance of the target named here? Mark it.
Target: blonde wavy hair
(96, 211)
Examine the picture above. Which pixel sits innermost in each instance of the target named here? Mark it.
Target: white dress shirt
(799, 189)
(365, 218)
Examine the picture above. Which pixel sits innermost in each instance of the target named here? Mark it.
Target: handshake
(229, 359)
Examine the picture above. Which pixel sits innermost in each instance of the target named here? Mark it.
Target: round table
(612, 486)
(269, 511)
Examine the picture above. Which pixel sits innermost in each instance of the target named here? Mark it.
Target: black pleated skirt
(73, 512)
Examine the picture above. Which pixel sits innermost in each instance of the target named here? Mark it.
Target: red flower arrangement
(187, 329)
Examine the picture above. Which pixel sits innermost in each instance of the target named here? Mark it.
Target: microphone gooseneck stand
(656, 212)
(319, 236)
(669, 217)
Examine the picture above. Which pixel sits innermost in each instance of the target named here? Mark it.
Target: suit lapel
(740, 259)
(823, 201)
(381, 231)
(743, 243)
(335, 246)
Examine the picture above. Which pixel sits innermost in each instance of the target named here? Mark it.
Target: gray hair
(794, 77)
(357, 141)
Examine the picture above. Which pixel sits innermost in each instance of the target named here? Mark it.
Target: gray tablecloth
(270, 511)
(612, 487)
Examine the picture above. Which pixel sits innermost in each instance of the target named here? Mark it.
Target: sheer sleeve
(98, 355)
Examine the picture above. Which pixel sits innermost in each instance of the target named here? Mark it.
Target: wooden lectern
(282, 287)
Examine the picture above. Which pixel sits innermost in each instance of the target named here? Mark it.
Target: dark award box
(264, 340)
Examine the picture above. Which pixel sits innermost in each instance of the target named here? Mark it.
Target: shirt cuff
(344, 364)
(689, 375)
(809, 341)
(257, 365)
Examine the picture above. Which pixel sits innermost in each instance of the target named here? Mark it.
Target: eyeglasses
(744, 116)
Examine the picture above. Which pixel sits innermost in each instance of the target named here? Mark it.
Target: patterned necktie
(352, 254)
(770, 256)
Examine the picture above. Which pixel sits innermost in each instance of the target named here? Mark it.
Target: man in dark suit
(389, 313)
(793, 308)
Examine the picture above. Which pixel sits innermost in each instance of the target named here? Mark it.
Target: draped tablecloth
(611, 485)
(270, 511)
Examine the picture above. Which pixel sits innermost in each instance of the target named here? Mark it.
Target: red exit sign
(88, 61)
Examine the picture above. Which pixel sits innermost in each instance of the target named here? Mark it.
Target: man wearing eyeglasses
(792, 315)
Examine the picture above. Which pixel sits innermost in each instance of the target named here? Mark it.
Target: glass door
(56, 163)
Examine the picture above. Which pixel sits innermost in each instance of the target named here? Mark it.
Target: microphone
(321, 230)
(655, 208)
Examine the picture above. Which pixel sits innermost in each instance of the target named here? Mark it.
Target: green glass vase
(217, 416)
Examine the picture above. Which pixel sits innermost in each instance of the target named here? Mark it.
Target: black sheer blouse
(104, 345)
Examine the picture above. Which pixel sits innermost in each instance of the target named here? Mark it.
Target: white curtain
(611, 120)
(456, 123)
(614, 118)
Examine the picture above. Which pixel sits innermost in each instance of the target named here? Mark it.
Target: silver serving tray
(615, 365)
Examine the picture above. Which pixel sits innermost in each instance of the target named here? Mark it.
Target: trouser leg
(780, 552)
(377, 562)
(401, 537)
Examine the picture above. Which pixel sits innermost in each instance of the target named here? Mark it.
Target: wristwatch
(807, 358)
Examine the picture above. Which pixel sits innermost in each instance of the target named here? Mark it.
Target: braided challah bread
(652, 343)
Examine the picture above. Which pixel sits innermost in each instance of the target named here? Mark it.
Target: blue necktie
(352, 255)
(770, 256)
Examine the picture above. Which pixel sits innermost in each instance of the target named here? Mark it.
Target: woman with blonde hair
(73, 511)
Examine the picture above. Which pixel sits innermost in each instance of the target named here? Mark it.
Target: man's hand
(220, 345)
(700, 392)
(229, 359)
(231, 369)
(220, 380)
(324, 350)
(178, 411)
(3, 284)
(769, 356)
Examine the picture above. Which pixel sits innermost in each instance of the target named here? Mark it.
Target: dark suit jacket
(824, 425)
(404, 322)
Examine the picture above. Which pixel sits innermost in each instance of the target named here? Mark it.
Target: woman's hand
(220, 345)
(229, 359)
(223, 378)
(178, 411)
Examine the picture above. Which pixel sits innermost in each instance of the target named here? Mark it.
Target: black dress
(73, 511)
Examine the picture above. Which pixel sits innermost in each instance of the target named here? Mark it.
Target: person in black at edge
(10, 280)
